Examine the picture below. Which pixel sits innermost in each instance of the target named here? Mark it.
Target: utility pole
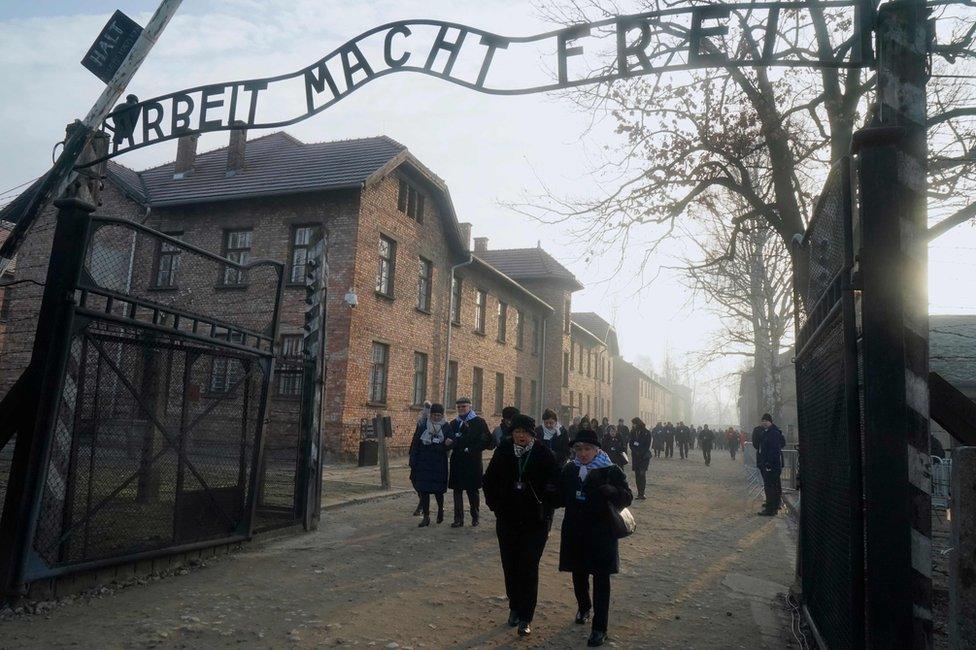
(62, 174)
(892, 264)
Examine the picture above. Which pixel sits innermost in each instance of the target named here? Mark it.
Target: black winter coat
(706, 438)
(657, 436)
(470, 438)
(615, 448)
(532, 505)
(587, 542)
(558, 445)
(428, 463)
(624, 432)
(640, 449)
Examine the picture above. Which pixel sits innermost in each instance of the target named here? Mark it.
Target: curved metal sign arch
(677, 39)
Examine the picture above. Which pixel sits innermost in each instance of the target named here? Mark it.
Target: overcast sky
(490, 150)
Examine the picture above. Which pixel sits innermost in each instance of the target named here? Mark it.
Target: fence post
(962, 561)
(383, 426)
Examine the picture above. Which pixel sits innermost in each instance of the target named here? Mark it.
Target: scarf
(434, 435)
(521, 450)
(549, 434)
(467, 418)
(600, 460)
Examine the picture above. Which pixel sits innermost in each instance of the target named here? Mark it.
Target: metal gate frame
(45, 400)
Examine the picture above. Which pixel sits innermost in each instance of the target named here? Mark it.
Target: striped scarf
(601, 460)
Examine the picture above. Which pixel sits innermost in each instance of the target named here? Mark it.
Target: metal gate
(161, 357)
(829, 421)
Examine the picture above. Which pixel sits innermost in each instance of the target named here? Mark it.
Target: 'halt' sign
(112, 45)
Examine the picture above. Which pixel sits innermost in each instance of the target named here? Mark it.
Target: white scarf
(434, 434)
(549, 434)
(521, 451)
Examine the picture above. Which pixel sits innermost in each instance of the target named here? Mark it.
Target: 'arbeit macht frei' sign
(665, 41)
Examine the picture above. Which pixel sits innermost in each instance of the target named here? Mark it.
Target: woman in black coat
(428, 462)
(615, 446)
(520, 488)
(554, 436)
(640, 454)
(588, 487)
(468, 437)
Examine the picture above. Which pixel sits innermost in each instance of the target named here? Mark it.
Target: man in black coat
(520, 488)
(683, 435)
(640, 454)
(623, 431)
(669, 441)
(706, 439)
(657, 439)
(770, 457)
(469, 437)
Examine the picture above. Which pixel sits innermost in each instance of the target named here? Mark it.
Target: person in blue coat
(428, 462)
(770, 459)
(588, 487)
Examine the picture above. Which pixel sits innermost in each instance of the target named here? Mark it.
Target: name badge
(519, 485)
(580, 496)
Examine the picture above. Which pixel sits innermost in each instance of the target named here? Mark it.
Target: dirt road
(702, 572)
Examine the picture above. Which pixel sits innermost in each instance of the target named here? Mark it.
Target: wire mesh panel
(829, 422)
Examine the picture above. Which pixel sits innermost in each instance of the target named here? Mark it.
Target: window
(517, 401)
(579, 356)
(587, 404)
(572, 354)
(301, 240)
(533, 397)
(386, 267)
(499, 393)
(519, 329)
(565, 369)
(225, 371)
(589, 363)
(425, 279)
(480, 300)
(237, 248)
(452, 381)
(4, 304)
(571, 400)
(477, 388)
(566, 317)
(410, 201)
(291, 345)
(536, 335)
(456, 301)
(167, 263)
(419, 378)
(289, 383)
(502, 321)
(378, 373)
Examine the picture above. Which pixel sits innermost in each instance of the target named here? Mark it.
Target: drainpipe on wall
(450, 324)
(540, 405)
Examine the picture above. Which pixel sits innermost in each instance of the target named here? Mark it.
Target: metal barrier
(941, 481)
(791, 468)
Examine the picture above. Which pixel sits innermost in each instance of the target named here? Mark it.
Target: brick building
(393, 241)
(635, 393)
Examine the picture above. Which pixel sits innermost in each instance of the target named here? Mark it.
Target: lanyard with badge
(522, 463)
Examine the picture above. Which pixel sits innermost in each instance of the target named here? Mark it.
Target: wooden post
(383, 427)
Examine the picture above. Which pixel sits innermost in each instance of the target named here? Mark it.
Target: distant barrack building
(393, 239)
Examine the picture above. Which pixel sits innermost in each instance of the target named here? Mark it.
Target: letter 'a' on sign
(112, 45)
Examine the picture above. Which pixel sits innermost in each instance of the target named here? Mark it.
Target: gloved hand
(607, 490)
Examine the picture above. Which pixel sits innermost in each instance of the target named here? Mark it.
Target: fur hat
(523, 422)
(588, 436)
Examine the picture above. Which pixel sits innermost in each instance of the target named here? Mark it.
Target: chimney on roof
(465, 230)
(480, 244)
(235, 150)
(186, 155)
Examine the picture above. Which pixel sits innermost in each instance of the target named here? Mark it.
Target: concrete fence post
(962, 561)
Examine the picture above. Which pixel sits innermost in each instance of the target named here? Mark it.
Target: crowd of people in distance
(536, 469)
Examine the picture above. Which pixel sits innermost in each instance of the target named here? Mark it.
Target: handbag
(624, 458)
(622, 521)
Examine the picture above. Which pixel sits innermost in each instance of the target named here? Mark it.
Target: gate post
(894, 299)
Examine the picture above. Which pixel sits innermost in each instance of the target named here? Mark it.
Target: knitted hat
(588, 436)
(767, 417)
(523, 422)
(437, 408)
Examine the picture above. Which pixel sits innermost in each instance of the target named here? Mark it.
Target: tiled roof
(13, 211)
(952, 348)
(528, 264)
(592, 322)
(273, 164)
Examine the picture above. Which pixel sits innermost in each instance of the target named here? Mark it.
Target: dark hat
(437, 408)
(588, 436)
(549, 414)
(509, 412)
(523, 422)
(463, 400)
(767, 417)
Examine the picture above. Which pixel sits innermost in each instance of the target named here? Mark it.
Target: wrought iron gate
(829, 421)
(157, 437)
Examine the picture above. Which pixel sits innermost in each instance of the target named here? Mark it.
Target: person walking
(657, 439)
(428, 462)
(520, 488)
(683, 435)
(574, 427)
(554, 436)
(706, 439)
(640, 454)
(588, 487)
(623, 431)
(669, 441)
(732, 440)
(421, 419)
(614, 446)
(770, 458)
(502, 430)
(468, 437)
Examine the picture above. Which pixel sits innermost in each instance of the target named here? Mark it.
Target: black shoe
(582, 617)
(418, 511)
(596, 639)
(440, 517)
(524, 629)
(766, 513)
(457, 523)
(474, 521)
(642, 497)
(424, 522)
(513, 620)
